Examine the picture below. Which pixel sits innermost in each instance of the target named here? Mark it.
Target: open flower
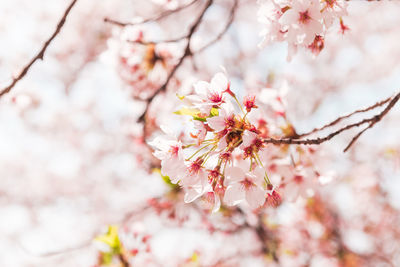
(169, 151)
(303, 21)
(245, 186)
(211, 94)
(224, 120)
(298, 22)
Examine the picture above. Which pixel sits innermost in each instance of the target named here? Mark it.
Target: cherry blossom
(301, 23)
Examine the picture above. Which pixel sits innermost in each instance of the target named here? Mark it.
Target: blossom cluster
(224, 158)
(301, 23)
(142, 65)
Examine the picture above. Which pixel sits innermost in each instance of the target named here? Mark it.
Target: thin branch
(40, 55)
(224, 30)
(375, 120)
(210, 43)
(336, 121)
(186, 53)
(173, 40)
(372, 121)
(156, 18)
(59, 252)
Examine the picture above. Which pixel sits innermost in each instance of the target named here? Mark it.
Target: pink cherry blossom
(245, 186)
(209, 94)
(169, 151)
(224, 120)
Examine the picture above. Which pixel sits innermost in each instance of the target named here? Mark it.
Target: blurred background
(69, 153)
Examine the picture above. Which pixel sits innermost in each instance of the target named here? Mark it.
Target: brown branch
(210, 43)
(173, 40)
(372, 121)
(124, 262)
(40, 55)
(187, 52)
(375, 120)
(224, 30)
(156, 18)
(339, 119)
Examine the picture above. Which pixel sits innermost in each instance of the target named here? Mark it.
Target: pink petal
(192, 194)
(219, 82)
(234, 194)
(255, 197)
(217, 123)
(234, 174)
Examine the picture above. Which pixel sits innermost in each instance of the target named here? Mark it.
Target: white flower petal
(219, 82)
(255, 197)
(234, 194)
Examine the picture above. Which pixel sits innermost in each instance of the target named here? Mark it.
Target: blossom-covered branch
(40, 55)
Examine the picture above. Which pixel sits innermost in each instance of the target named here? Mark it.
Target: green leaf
(111, 239)
(106, 258)
(214, 112)
(166, 179)
(188, 111)
(195, 257)
(193, 112)
(181, 97)
(199, 118)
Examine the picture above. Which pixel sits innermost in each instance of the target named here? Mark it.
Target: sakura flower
(251, 144)
(211, 94)
(201, 132)
(245, 186)
(249, 102)
(224, 120)
(169, 151)
(299, 184)
(194, 175)
(333, 9)
(303, 21)
(274, 199)
(192, 193)
(211, 198)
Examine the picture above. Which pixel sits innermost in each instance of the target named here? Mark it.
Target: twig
(378, 104)
(372, 121)
(156, 18)
(186, 53)
(173, 40)
(59, 252)
(224, 30)
(375, 120)
(123, 260)
(40, 55)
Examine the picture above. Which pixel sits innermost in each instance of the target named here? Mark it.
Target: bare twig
(40, 55)
(375, 120)
(224, 30)
(124, 262)
(156, 18)
(187, 52)
(173, 40)
(339, 119)
(59, 252)
(372, 121)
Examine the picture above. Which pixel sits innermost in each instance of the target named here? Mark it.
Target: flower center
(298, 179)
(247, 183)
(174, 150)
(215, 98)
(304, 17)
